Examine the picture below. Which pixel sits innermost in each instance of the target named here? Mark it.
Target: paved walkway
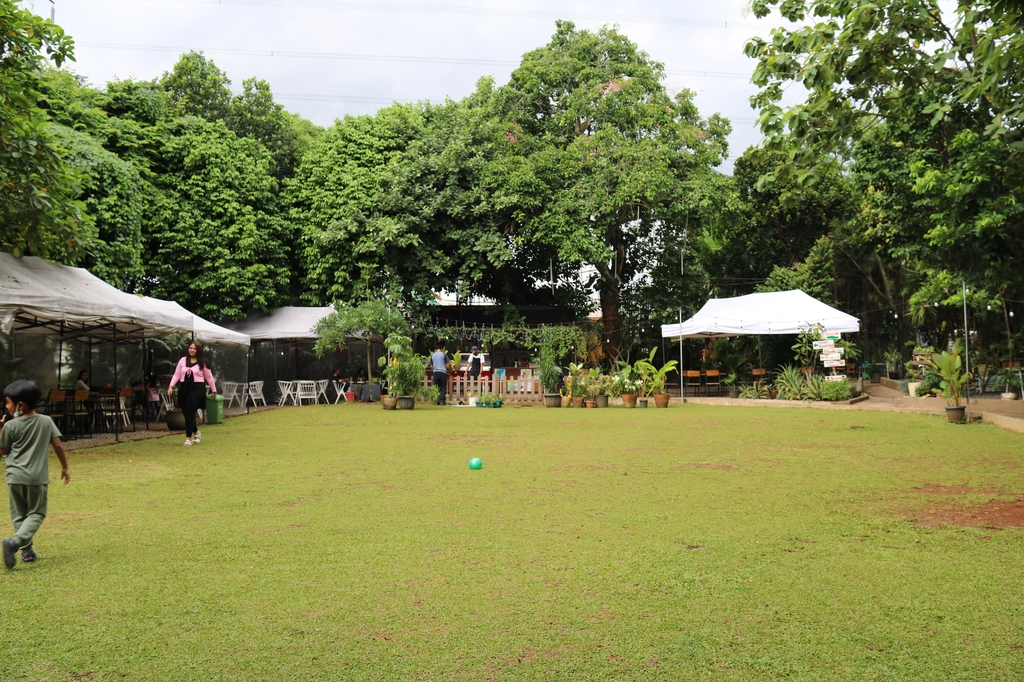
(881, 399)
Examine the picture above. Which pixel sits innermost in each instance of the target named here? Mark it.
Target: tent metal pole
(681, 396)
(117, 393)
(60, 354)
(967, 352)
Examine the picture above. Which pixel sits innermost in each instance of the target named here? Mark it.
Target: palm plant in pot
(953, 382)
(550, 379)
(607, 384)
(733, 362)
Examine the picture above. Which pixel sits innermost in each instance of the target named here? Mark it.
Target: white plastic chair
(306, 390)
(166, 405)
(321, 390)
(256, 392)
(231, 392)
(339, 392)
(287, 389)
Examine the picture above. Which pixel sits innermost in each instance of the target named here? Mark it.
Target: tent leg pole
(117, 394)
(60, 354)
(681, 396)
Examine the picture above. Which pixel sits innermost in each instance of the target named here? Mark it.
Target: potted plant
(953, 381)
(578, 384)
(592, 387)
(732, 362)
(550, 379)
(1010, 379)
(893, 359)
(652, 379)
(403, 369)
(606, 388)
(624, 384)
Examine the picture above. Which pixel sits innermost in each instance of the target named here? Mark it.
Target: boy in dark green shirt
(24, 441)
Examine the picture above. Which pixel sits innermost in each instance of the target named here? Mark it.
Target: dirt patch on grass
(709, 465)
(952, 490)
(991, 515)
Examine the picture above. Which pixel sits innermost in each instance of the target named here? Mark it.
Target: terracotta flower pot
(629, 399)
(552, 400)
(601, 400)
(661, 400)
(577, 401)
(591, 404)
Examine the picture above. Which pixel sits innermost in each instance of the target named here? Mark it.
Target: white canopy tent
(777, 312)
(37, 296)
(203, 330)
(288, 322)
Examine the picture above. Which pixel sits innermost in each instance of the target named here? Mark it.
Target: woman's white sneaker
(188, 442)
(195, 438)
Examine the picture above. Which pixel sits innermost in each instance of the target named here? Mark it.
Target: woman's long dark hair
(200, 358)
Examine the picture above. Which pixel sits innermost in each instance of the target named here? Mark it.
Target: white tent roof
(287, 322)
(204, 330)
(777, 312)
(43, 297)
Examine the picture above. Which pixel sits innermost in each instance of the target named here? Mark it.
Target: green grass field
(345, 542)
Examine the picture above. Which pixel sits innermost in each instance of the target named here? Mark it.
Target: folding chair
(166, 405)
(57, 408)
(306, 391)
(321, 390)
(287, 392)
(77, 408)
(694, 376)
(339, 391)
(127, 413)
(256, 393)
(713, 377)
(231, 392)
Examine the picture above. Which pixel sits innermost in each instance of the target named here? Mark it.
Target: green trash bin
(215, 409)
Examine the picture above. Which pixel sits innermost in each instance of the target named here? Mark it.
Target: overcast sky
(305, 49)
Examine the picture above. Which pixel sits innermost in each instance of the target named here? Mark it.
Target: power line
(477, 11)
(370, 57)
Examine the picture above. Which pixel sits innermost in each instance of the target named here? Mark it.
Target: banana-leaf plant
(652, 379)
(954, 380)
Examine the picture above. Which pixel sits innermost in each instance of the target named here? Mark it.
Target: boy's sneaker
(195, 438)
(9, 549)
(28, 556)
(188, 443)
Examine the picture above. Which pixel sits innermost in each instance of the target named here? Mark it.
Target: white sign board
(835, 377)
(835, 336)
(835, 363)
(824, 344)
(831, 356)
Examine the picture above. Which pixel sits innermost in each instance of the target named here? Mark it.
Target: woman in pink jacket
(194, 375)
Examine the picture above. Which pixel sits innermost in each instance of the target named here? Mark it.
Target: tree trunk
(369, 370)
(612, 322)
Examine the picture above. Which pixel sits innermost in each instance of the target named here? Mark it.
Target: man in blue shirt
(439, 362)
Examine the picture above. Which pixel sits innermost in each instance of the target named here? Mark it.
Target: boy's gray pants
(28, 509)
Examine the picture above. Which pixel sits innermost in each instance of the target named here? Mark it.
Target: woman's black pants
(191, 398)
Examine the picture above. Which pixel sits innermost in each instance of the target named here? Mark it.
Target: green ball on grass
(476, 463)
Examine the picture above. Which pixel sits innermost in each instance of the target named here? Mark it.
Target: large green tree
(215, 239)
(195, 86)
(600, 159)
(928, 107)
(38, 210)
(255, 114)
